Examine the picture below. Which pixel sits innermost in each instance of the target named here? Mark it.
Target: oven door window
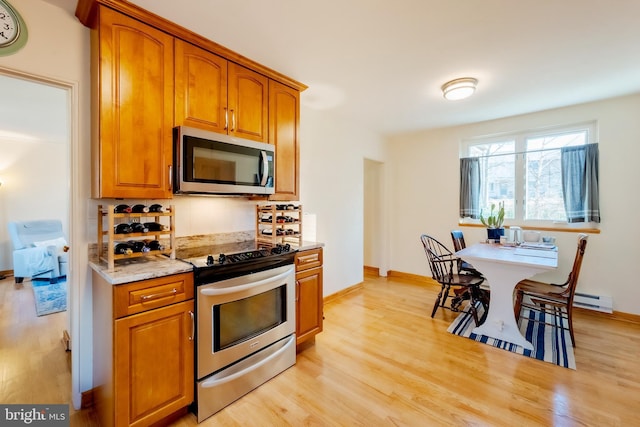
(238, 321)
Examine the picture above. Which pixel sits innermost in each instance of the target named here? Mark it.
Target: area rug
(550, 344)
(49, 297)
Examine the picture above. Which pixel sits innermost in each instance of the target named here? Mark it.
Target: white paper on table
(535, 253)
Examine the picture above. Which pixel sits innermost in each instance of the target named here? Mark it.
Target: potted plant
(494, 222)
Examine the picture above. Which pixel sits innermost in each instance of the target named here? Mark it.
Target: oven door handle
(224, 291)
(216, 382)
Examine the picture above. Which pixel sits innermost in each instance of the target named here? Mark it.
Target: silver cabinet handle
(226, 118)
(170, 177)
(160, 295)
(233, 120)
(193, 326)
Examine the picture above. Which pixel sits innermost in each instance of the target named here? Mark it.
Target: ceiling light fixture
(459, 88)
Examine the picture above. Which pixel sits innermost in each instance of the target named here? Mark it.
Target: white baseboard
(593, 302)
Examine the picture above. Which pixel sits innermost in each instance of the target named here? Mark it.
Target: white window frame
(520, 138)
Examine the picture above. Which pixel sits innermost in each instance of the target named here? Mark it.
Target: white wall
(332, 187)
(425, 177)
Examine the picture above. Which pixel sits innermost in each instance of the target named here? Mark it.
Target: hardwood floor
(382, 360)
(34, 366)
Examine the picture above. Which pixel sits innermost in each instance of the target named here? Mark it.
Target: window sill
(557, 228)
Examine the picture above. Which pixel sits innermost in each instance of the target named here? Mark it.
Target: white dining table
(504, 267)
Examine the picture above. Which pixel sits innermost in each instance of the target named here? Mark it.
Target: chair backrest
(572, 281)
(25, 233)
(458, 240)
(441, 259)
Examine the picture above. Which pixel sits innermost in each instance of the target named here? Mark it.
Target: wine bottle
(139, 209)
(122, 229)
(122, 209)
(154, 226)
(123, 249)
(137, 227)
(138, 246)
(154, 245)
(156, 208)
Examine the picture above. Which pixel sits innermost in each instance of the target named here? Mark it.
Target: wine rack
(107, 235)
(284, 221)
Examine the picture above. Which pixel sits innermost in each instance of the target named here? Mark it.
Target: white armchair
(39, 250)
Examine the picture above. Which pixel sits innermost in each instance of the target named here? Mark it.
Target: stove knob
(210, 260)
(222, 258)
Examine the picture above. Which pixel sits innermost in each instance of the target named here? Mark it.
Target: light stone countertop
(306, 245)
(143, 268)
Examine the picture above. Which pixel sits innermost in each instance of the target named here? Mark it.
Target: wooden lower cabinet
(143, 349)
(309, 297)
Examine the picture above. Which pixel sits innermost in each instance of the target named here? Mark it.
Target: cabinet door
(309, 304)
(248, 104)
(284, 121)
(132, 152)
(153, 353)
(201, 88)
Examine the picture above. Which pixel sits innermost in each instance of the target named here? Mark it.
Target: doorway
(374, 221)
(35, 172)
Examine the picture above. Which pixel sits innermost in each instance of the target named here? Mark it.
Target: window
(524, 171)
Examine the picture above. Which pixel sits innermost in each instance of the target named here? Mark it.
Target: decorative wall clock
(13, 30)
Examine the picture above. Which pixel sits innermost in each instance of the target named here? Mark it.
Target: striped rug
(550, 344)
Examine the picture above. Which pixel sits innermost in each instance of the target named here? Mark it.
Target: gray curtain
(470, 187)
(580, 183)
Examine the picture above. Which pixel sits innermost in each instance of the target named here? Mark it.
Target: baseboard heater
(593, 302)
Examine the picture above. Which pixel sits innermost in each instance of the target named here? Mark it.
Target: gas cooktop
(219, 262)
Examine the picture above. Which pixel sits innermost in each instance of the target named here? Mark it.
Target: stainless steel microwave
(206, 162)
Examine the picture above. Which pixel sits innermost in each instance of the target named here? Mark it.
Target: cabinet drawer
(136, 297)
(308, 259)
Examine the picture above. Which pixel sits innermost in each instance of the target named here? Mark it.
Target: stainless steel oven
(245, 326)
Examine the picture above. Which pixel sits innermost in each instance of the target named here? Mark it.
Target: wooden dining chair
(444, 269)
(551, 298)
(458, 244)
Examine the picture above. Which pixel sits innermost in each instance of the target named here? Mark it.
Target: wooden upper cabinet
(284, 123)
(150, 75)
(248, 105)
(214, 94)
(201, 88)
(132, 150)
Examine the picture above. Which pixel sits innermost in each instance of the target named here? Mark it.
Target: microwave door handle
(264, 169)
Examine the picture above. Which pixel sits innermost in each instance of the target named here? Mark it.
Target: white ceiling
(381, 63)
